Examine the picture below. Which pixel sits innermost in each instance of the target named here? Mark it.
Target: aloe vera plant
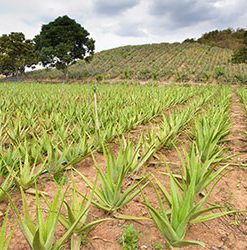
(73, 154)
(243, 97)
(206, 153)
(27, 174)
(204, 172)
(110, 195)
(40, 234)
(209, 132)
(4, 239)
(133, 157)
(183, 210)
(79, 205)
(185, 207)
(5, 185)
(40, 132)
(171, 127)
(242, 93)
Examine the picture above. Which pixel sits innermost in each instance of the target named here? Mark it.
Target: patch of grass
(129, 238)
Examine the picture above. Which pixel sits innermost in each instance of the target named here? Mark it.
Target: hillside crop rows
(177, 62)
(72, 174)
(243, 96)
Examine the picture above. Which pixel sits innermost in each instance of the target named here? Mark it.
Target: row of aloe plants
(131, 159)
(242, 92)
(198, 173)
(26, 173)
(57, 126)
(29, 154)
(109, 196)
(201, 172)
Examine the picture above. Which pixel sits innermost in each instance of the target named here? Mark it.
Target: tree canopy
(62, 42)
(16, 53)
(240, 56)
(227, 38)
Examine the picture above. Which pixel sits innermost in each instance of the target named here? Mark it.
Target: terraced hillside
(177, 62)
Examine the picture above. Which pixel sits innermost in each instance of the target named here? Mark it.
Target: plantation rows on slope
(177, 62)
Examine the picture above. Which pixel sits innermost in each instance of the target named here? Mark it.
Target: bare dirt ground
(222, 234)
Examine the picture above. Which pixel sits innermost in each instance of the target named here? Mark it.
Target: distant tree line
(228, 38)
(60, 44)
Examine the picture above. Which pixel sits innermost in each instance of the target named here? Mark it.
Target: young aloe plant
(40, 235)
(4, 239)
(56, 164)
(203, 172)
(146, 148)
(78, 206)
(73, 154)
(183, 210)
(209, 132)
(133, 157)
(6, 184)
(27, 175)
(110, 196)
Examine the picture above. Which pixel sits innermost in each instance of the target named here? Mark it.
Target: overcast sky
(122, 22)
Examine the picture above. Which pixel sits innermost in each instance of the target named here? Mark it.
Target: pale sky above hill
(113, 23)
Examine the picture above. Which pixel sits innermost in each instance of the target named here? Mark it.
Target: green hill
(188, 61)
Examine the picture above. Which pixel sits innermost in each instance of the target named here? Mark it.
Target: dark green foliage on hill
(240, 56)
(228, 38)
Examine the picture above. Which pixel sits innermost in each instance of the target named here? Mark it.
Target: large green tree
(62, 42)
(16, 53)
(240, 56)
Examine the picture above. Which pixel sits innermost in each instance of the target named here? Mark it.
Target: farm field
(174, 62)
(169, 160)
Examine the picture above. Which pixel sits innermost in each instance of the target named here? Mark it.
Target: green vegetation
(243, 96)
(16, 53)
(62, 42)
(228, 38)
(110, 196)
(40, 234)
(78, 207)
(65, 45)
(175, 62)
(184, 205)
(40, 132)
(50, 129)
(4, 239)
(240, 56)
(129, 238)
